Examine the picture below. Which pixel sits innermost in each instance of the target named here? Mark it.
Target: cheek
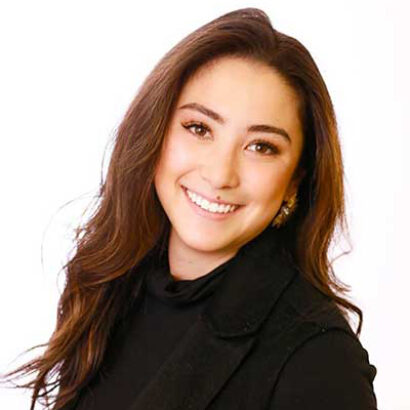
(267, 185)
(176, 158)
(181, 154)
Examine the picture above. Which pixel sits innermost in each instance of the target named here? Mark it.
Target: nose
(220, 168)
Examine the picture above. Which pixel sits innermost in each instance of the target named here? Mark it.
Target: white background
(67, 74)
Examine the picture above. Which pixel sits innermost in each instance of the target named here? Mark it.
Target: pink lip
(210, 199)
(210, 215)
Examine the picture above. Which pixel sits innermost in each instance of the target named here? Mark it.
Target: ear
(294, 184)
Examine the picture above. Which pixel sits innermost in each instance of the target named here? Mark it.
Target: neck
(186, 263)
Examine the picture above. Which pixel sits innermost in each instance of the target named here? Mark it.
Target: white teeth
(210, 206)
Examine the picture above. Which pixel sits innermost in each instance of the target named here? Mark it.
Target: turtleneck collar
(163, 286)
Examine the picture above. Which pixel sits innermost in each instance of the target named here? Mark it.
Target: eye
(266, 145)
(199, 128)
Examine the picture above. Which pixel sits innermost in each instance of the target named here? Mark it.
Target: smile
(208, 206)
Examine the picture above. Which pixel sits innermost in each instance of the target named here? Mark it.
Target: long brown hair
(129, 220)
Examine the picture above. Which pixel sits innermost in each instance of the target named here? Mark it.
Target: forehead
(237, 82)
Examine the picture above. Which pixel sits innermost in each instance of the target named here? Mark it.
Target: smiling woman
(221, 145)
(203, 280)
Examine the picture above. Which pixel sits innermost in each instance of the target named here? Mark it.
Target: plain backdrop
(68, 72)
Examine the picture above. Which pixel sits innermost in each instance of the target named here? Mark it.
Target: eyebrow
(218, 118)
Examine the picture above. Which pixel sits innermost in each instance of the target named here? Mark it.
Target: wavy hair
(129, 220)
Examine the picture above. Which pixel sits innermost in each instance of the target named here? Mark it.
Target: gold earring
(285, 211)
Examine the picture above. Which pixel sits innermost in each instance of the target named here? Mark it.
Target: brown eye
(198, 128)
(265, 148)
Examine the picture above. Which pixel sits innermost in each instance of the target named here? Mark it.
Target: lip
(209, 215)
(209, 199)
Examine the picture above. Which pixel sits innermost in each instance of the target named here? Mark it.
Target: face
(235, 136)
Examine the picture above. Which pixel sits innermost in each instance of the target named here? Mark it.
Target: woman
(203, 281)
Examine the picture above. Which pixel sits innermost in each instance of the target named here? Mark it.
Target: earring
(285, 211)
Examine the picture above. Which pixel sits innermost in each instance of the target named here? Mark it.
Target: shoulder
(327, 366)
(329, 370)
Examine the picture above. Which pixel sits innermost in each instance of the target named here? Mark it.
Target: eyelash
(259, 141)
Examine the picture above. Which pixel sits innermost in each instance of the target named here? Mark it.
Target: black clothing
(251, 334)
(144, 343)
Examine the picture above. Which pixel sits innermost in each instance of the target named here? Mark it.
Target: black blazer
(246, 342)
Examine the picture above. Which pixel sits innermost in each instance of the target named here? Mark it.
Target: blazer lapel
(215, 345)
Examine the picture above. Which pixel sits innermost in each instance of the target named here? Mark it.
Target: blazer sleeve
(329, 371)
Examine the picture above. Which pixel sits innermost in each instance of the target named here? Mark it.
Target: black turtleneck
(163, 287)
(168, 308)
(152, 331)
